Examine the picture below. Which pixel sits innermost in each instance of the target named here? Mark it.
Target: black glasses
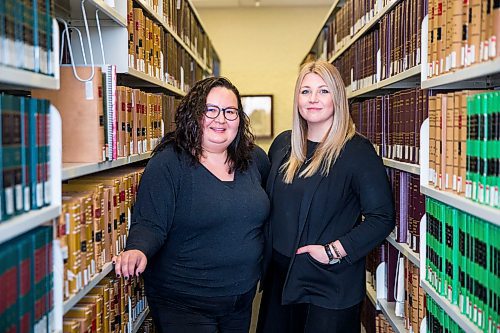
(229, 113)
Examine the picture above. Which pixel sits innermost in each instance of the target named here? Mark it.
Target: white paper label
(89, 90)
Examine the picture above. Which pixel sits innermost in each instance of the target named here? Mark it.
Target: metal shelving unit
(484, 212)
(468, 77)
(69, 303)
(407, 79)
(405, 250)
(137, 324)
(27, 79)
(368, 25)
(74, 170)
(396, 322)
(403, 166)
(152, 81)
(160, 20)
(452, 310)
(372, 294)
(20, 224)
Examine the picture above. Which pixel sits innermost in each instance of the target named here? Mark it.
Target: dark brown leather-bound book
(392, 261)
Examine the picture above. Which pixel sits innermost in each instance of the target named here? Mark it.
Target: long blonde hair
(341, 131)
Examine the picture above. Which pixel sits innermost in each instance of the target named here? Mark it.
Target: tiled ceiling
(262, 3)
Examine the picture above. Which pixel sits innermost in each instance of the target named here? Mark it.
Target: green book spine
(32, 160)
(490, 151)
(483, 187)
(25, 284)
(441, 248)
(496, 150)
(448, 253)
(463, 260)
(469, 156)
(456, 258)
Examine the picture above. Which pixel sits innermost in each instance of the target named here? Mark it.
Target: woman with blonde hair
(324, 177)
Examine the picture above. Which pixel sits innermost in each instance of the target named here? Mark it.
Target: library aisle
(89, 87)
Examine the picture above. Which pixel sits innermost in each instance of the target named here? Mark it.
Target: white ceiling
(262, 3)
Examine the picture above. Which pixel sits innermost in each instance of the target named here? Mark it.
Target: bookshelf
(138, 322)
(110, 15)
(405, 250)
(167, 27)
(19, 78)
(475, 76)
(20, 224)
(372, 295)
(388, 309)
(407, 167)
(484, 212)
(452, 310)
(69, 303)
(407, 79)
(26, 79)
(366, 27)
(140, 79)
(74, 170)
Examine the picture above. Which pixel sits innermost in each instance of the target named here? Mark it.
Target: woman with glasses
(324, 177)
(196, 229)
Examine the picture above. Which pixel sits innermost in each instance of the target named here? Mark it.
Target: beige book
(439, 144)
(439, 33)
(457, 148)
(432, 140)
(97, 191)
(496, 32)
(71, 326)
(83, 313)
(80, 105)
(474, 37)
(456, 59)
(450, 116)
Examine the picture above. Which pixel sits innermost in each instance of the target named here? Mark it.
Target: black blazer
(331, 209)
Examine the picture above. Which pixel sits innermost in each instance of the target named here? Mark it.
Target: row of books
(415, 299)
(461, 33)
(392, 123)
(26, 282)
(111, 306)
(26, 36)
(368, 314)
(410, 207)
(148, 326)
(389, 49)
(94, 223)
(401, 283)
(382, 325)
(463, 144)
(154, 51)
(102, 121)
(463, 262)
(179, 15)
(438, 320)
(24, 155)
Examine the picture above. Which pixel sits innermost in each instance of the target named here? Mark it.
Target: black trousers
(181, 313)
(300, 318)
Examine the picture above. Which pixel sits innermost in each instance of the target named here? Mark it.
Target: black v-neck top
(286, 205)
(202, 236)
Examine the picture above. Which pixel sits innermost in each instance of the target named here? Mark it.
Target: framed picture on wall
(259, 108)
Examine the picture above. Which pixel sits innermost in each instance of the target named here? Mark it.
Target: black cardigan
(331, 209)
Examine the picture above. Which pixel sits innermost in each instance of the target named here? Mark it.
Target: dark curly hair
(188, 134)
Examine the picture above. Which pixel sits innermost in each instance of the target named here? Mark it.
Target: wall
(261, 48)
